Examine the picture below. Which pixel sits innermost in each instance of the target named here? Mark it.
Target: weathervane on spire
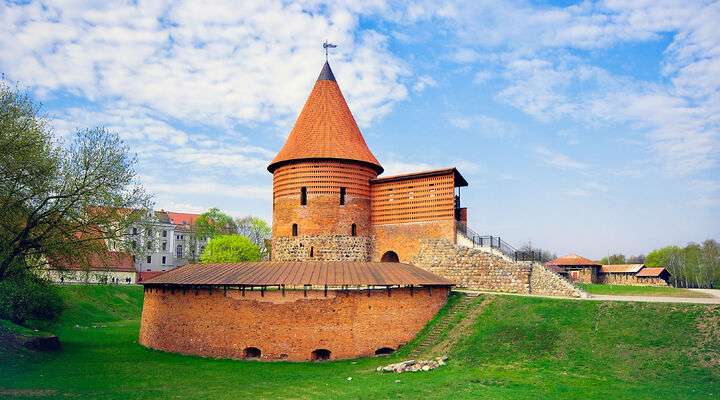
(327, 46)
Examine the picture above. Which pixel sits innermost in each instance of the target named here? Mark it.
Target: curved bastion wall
(293, 325)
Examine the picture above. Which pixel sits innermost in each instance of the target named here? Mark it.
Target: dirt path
(656, 299)
(441, 347)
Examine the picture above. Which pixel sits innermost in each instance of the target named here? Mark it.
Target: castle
(329, 203)
(340, 283)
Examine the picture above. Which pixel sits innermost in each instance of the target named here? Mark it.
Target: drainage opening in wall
(320, 355)
(390, 256)
(384, 351)
(252, 353)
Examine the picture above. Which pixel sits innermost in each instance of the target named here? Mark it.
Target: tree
(60, 201)
(214, 222)
(229, 249)
(613, 259)
(257, 230)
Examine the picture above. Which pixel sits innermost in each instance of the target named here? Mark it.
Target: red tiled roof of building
(292, 273)
(147, 275)
(182, 218)
(325, 129)
(621, 268)
(651, 272)
(458, 178)
(573, 259)
(113, 261)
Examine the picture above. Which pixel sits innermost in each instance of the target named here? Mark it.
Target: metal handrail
(495, 242)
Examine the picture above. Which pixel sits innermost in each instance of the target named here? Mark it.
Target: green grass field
(518, 348)
(627, 290)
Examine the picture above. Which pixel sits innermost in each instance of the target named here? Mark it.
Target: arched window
(353, 230)
(252, 353)
(383, 351)
(320, 355)
(178, 251)
(303, 196)
(390, 256)
(294, 230)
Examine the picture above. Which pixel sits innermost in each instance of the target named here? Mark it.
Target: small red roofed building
(109, 267)
(582, 270)
(576, 268)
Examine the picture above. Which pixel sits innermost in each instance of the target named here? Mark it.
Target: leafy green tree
(257, 230)
(214, 222)
(229, 249)
(60, 200)
(613, 259)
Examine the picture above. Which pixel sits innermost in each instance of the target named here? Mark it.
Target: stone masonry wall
(548, 283)
(630, 279)
(483, 269)
(324, 248)
(285, 326)
(472, 268)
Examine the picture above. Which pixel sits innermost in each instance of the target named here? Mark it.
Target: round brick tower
(321, 182)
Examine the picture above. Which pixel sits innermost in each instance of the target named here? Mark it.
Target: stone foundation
(322, 248)
(484, 269)
(630, 279)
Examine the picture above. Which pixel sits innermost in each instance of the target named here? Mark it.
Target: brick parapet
(285, 325)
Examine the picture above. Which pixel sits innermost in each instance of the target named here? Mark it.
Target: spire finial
(327, 46)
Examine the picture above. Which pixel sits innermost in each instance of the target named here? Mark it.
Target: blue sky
(586, 127)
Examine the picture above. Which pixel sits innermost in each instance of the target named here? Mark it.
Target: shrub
(27, 296)
(229, 249)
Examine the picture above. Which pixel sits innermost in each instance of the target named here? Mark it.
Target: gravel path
(656, 299)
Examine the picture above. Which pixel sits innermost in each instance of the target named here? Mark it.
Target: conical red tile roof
(325, 129)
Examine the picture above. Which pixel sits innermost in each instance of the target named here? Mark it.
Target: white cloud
(249, 61)
(483, 125)
(423, 82)
(401, 167)
(548, 80)
(557, 159)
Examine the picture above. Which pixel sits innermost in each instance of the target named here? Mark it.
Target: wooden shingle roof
(325, 129)
(296, 273)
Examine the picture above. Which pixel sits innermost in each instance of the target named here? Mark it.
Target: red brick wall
(405, 238)
(406, 211)
(285, 327)
(323, 214)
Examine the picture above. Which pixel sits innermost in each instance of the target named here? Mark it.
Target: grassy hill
(517, 348)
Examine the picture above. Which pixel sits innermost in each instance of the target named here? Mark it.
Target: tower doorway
(390, 256)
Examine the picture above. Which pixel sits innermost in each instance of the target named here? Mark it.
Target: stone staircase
(446, 331)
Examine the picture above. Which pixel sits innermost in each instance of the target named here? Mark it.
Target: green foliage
(695, 265)
(26, 296)
(60, 201)
(257, 230)
(229, 249)
(214, 222)
(613, 259)
(519, 348)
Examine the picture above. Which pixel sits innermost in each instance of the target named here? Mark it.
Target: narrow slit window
(312, 251)
(353, 230)
(303, 196)
(342, 196)
(294, 230)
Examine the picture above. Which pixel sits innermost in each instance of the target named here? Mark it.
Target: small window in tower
(294, 230)
(303, 196)
(312, 251)
(353, 230)
(342, 196)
